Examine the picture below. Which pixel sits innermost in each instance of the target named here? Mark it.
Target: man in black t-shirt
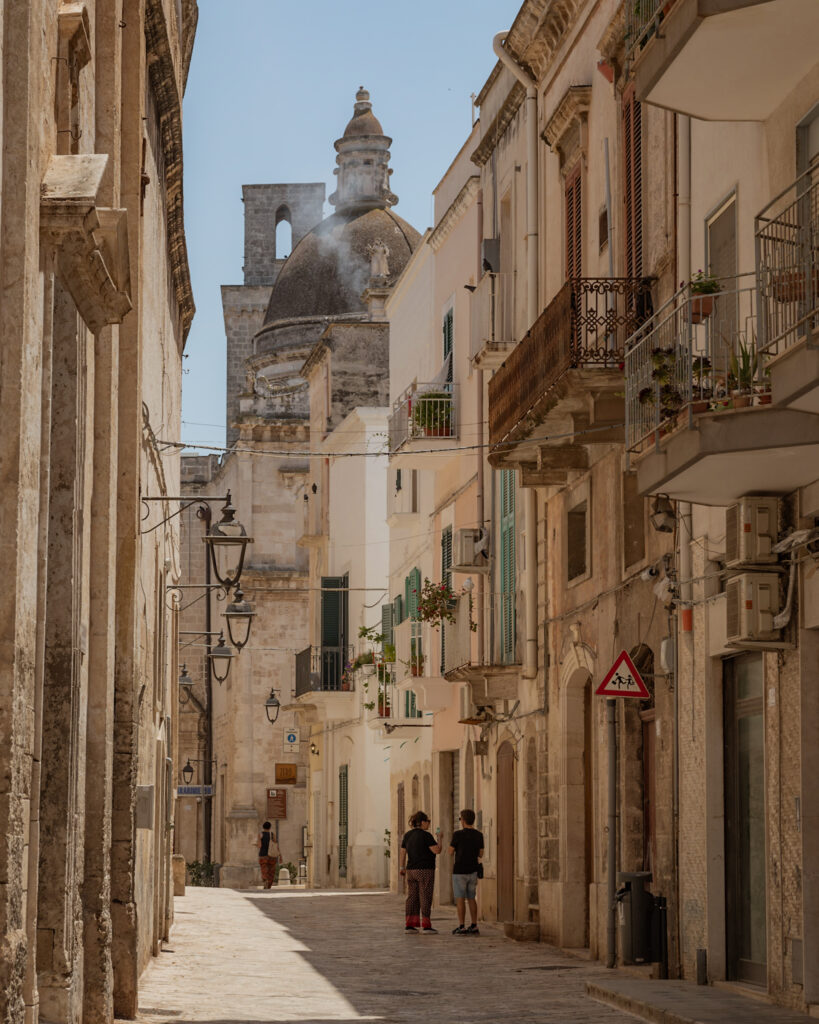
(467, 847)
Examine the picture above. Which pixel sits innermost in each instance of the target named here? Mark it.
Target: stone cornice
(459, 205)
(91, 241)
(190, 18)
(169, 104)
(563, 129)
(612, 44)
(498, 125)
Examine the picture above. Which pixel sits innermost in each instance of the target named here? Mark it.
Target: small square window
(577, 561)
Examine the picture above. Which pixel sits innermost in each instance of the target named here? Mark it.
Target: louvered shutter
(507, 565)
(414, 588)
(331, 610)
(448, 337)
(446, 577)
(633, 184)
(387, 623)
(398, 615)
(343, 819)
(574, 225)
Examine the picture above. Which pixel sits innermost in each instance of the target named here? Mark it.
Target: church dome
(329, 269)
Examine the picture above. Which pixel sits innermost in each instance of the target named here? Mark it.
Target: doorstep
(683, 1002)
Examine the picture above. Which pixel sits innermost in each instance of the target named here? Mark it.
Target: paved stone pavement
(316, 957)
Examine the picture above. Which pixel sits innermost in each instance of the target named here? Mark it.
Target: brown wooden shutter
(574, 225)
(633, 184)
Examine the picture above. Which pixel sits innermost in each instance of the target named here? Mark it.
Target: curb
(638, 1007)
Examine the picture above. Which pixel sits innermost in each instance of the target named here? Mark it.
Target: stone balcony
(561, 389)
(720, 60)
(493, 321)
(325, 684)
(463, 662)
(423, 425)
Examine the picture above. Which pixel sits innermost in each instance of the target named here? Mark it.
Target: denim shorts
(464, 887)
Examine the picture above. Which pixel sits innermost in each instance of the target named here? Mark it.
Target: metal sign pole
(611, 722)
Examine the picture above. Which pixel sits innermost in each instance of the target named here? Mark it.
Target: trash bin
(636, 905)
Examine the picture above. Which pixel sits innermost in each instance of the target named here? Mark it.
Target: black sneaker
(410, 928)
(460, 930)
(429, 931)
(472, 930)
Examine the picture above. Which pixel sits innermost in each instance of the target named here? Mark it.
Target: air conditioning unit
(750, 532)
(470, 551)
(752, 602)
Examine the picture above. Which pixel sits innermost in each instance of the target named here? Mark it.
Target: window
(577, 562)
(284, 234)
(634, 545)
(507, 566)
(446, 577)
(398, 610)
(412, 590)
(447, 332)
(397, 480)
(411, 705)
(387, 612)
(334, 629)
(574, 224)
(633, 183)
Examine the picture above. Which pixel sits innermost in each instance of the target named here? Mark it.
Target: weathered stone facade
(96, 308)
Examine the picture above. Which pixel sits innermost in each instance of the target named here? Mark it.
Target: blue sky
(271, 86)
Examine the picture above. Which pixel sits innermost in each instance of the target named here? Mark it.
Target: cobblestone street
(314, 957)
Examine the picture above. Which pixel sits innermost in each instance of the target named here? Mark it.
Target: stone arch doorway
(531, 860)
(576, 810)
(506, 832)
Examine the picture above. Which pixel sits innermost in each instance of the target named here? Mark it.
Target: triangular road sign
(623, 680)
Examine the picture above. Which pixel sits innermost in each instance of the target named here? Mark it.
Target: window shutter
(574, 225)
(343, 818)
(332, 616)
(398, 615)
(414, 579)
(633, 183)
(448, 331)
(507, 565)
(446, 577)
(386, 623)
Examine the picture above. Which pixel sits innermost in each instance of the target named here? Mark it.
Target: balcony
(493, 321)
(700, 422)
(787, 259)
(565, 379)
(325, 683)
(416, 665)
(720, 60)
(386, 706)
(462, 659)
(423, 423)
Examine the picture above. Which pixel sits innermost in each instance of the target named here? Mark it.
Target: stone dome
(329, 269)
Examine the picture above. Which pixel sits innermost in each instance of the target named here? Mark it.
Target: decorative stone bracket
(91, 241)
(565, 131)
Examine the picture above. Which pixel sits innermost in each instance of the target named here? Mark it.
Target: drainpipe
(532, 311)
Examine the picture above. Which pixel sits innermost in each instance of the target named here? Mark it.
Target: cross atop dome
(363, 158)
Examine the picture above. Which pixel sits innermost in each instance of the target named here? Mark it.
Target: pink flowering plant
(436, 603)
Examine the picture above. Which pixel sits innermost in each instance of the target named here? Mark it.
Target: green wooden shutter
(386, 623)
(332, 611)
(414, 592)
(411, 705)
(343, 819)
(448, 334)
(507, 566)
(398, 615)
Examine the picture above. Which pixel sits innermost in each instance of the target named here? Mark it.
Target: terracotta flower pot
(702, 306)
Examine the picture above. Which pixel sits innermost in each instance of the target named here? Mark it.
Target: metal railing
(643, 18)
(380, 695)
(423, 411)
(324, 669)
(585, 325)
(697, 354)
(787, 265)
(458, 636)
(410, 653)
(493, 313)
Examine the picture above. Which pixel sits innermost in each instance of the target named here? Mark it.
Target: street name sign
(623, 680)
(194, 790)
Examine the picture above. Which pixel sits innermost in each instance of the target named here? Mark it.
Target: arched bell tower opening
(283, 244)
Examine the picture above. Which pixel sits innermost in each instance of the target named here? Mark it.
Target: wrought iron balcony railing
(787, 266)
(643, 18)
(423, 411)
(584, 326)
(697, 354)
(324, 669)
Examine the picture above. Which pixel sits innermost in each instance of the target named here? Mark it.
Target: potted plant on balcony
(790, 285)
(702, 288)
(436, 603)
(432, 414)
(701, 372)
(743, 364)
(416, 663)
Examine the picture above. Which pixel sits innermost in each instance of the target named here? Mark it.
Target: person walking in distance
(269, 854)
(417, 863)
(467, 847)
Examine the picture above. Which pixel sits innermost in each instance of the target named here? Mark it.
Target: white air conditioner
(470, 551)
(750, 532)
(752, 602)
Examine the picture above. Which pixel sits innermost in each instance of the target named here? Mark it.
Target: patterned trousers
(420, 883)
(268, 866)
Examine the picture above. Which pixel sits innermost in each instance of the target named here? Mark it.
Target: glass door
(745, 861)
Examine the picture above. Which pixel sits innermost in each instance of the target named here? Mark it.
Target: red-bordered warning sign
(623, 680)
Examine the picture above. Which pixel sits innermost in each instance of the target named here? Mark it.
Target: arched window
(284, 233)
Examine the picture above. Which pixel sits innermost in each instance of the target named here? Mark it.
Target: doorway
(506, 832)
(745, 862)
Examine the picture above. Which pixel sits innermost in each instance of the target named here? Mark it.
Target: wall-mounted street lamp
(239, 614)
(220, 658)
(227, 542)
(662, 514)
(185, 684)
(187, 773)
(272, 706)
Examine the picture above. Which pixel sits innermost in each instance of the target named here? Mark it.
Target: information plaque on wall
(286, 774)
(276, 803)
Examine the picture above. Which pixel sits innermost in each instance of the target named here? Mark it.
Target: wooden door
(506, 832)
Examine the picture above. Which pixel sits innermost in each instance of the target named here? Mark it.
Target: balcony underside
(729, 454)
(432, 693)
(795, 378)
(582, 407)
(728, 60)
(424, 453)
(326, 705)
(492, 354)
(488, 683)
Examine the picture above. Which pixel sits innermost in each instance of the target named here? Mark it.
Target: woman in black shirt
(417, 862)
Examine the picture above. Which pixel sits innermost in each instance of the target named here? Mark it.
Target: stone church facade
(96, 308)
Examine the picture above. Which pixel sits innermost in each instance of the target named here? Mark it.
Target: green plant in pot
(743, 367)
(702, 287)
(432, 414)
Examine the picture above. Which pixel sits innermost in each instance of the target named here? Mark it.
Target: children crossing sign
(623, 680)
